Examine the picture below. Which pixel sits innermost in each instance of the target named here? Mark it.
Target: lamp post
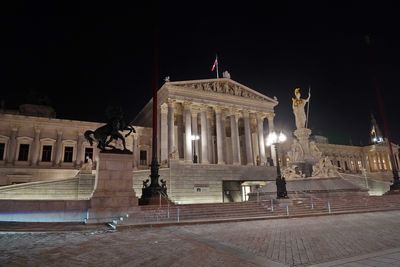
(194, 139)
(275, 139)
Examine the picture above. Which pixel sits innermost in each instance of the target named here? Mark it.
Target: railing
(165, 197)
(264, 208)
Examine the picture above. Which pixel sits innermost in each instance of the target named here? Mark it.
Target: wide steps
(297, 208)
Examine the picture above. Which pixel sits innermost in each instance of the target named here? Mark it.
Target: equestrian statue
(104, 135)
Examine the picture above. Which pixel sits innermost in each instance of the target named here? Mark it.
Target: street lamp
(275, 139)
(195, 137)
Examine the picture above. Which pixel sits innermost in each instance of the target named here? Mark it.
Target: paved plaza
(364, 239)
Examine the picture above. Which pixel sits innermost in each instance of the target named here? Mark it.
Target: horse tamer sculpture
(104, 135)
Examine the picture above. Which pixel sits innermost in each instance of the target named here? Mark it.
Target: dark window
(2, 146)
(88, 153)
(46, 154)
(143, 157)
(68, 152)
(346, 167)
(338, 163)
(23, 152)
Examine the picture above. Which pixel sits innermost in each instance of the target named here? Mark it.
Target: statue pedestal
(303, 136)
(113, 196)
(304, 162)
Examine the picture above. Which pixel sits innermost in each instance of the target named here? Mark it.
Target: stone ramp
(323, 187)
(80, 187)
(319, 184)
(374, 187)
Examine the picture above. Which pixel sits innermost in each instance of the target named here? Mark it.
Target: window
(23, 152)
(46, 154)
(88, 153)
(143, 157)
(2, 146)
(68, 152)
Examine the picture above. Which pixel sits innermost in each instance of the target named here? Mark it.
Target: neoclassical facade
(211, 143)
(373, 158)
(227, 119)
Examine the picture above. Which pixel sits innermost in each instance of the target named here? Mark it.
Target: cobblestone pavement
(341, 240)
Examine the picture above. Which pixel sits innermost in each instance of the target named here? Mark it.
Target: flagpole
(308, 105)
(216, 57)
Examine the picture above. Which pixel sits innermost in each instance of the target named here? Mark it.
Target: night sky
(82, 58)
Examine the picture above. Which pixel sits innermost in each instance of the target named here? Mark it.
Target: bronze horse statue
(104, 135)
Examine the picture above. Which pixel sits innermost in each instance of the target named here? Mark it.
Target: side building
(35, 147)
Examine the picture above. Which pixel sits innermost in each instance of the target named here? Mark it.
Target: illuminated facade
(211, 143)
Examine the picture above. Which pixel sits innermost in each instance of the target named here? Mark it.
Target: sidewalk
(362, 239)
(385, 258)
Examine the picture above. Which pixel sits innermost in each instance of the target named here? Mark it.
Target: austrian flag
(215, 64)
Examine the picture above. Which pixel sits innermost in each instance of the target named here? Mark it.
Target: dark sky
(85, 57)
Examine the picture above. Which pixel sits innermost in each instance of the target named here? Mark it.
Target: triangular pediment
(223, 86)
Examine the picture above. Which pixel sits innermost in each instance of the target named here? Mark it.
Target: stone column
(188, 133)
(396, 160)
(260, 126)
(35, 147)
(271, 128)
(80, 153)
(385, 156)
(164, 134)
(135, 151)
(12, 147)
(218, 126)
(235, 139)
(380, 158)
(58, 157)
(195, 131)
(223, 131)
(171, 127)
(204, 137)
(247, 135)
(210, 131)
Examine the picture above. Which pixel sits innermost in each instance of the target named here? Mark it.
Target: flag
(215, 64)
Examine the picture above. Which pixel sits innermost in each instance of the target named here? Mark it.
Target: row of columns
(379, 161)
(190, 113)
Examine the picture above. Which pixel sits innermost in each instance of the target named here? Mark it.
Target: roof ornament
(226, 74)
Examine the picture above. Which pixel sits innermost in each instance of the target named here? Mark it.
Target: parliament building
(211, 145)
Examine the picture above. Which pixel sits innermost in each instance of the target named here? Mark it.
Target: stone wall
(202, 183)
(43, 210)
(10, 175)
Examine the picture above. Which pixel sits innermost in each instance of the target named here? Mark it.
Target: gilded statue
(298, 108)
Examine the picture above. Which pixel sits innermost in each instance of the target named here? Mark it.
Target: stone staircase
(299, 207)
(79, 187)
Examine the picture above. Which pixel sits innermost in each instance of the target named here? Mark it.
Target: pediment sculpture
(224, 87)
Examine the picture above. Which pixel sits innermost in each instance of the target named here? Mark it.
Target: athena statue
(298, 109)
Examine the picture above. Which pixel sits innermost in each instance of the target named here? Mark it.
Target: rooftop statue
(104, 135)
(298, 108)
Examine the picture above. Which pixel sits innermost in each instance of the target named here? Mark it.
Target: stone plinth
(303, 136)
(113, 195)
